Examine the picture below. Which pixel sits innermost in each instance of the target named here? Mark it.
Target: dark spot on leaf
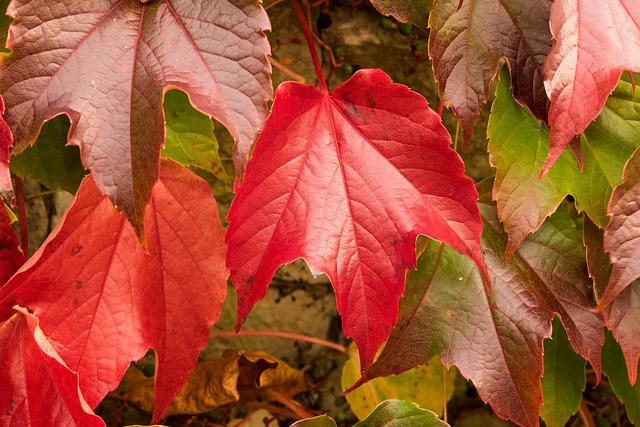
(372, 102)
(250, 280)
(77, 248)
(78, 284)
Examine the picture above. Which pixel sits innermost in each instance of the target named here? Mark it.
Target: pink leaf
(347, 181)
(106, 64)
(595, 40)
(103, 300)
(6, 142)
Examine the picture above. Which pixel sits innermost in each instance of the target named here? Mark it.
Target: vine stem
(289, 403)
(22, 216)
(279, 334)
(312, 46)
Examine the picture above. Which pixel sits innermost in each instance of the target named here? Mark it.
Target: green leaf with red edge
(103, 300)
(50, 161)
(594, 42)
(347, 181)
(400, 413)
(106, 65)
(38, 389)
(466, 42)
(564, 378)
(415, 12)
(495, 339)
(622, 315)
(519, 144)
(6, 142)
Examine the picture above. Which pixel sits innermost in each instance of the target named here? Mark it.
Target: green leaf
(189, 136)
(50, 161)
(400, 413)
(321, 421)
(613, 365)
(429, 385)
(518, 147)
(564, 378)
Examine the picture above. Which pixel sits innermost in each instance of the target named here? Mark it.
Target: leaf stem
(278, 334)
(22, 216)
(289, 403)
(312, 47)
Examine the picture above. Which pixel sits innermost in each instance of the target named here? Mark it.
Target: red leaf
(496, 339)
(595, 41)
(11, 258)
(103, 300)
(468, 39)
(37, 387)
(6, 142)
(106, 65)
(347, 181)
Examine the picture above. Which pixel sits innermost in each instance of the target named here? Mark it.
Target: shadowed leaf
(614, 368)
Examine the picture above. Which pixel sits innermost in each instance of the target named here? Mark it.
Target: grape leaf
(496, 339)
(564, 378)
(400, 413)
(415, 12)
(519, 144)
(190, 138)
(113, 299)
(50, 161)
(427, 385)
(594, 42)
(6, 142)
(11, 257)
(106, 65)
(37, 387)
(614, 368)
(466, 42)
(347, 180)
(622, 315)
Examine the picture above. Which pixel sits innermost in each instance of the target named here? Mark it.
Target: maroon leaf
(466, 42)
(347, 181)
(11, 258)
(106, 65)
(496, 339)
(103, 300)
(595, 41)
(6, 142)
(37, 387)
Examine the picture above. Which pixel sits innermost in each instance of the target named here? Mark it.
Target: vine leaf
(347, 181)
(400, 413)
(113, 299)
(37, 387)
(496, 339)
(415, 12)
(6, 142)
(107, 64)
(519, 144)
(594, 42)
(466, 42)
(11, 257)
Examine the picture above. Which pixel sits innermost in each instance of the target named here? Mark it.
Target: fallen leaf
(238, 376)
(594, 42)
(113, 299)
(38, 389)
(347, 181)
(106, 65)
